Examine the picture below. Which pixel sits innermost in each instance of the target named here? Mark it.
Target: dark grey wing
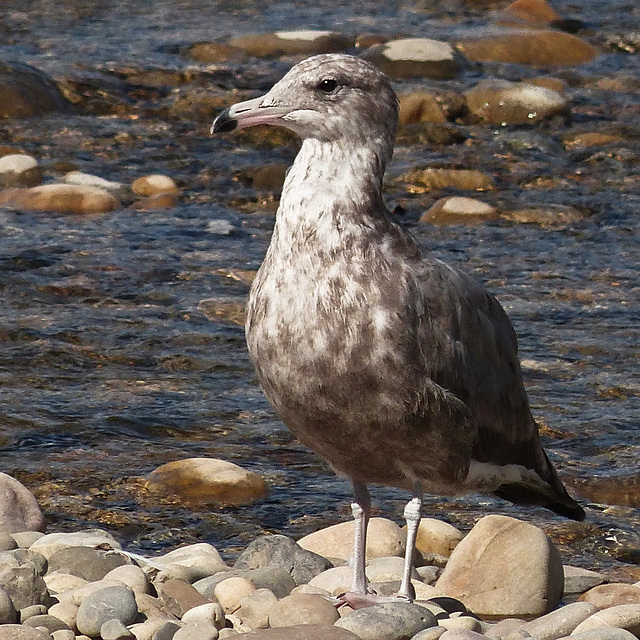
(471, 350)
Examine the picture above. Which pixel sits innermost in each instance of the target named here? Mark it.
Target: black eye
(329, 85)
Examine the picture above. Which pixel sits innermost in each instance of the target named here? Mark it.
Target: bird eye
(328, 85)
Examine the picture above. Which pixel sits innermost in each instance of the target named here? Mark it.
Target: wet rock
(385, 538)
(59, 198)
(19, 170)
(482, 572)
(178, 597)
(547, 215)
(230, 592)
(436, 536)
(48, 544)
(533, 48)
(266, 178)
(89, 180)
(302, 608)
(422, 180)
(115, 630)
(389, 621)
(154, 184)
(85, 562)
(414, 57)
(560, 622)
(301, 632)
(579, 580)
(207, 480)
(285, 553)
(300, 42)
(458, 210)
(503, 102)
(610, 595)
(103, 605)
(253, 609)
(622, 616)
(160, 201)
(20, 632)
(429, 133)
(420, 106)
(19, 510)
(26, 92)
(212, 52)
(224, 310)
(537, 12)
(8, 613)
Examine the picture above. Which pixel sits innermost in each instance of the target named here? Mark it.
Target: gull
(395, 367)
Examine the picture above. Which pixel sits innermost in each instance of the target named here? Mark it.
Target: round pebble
(230, 592)
(103, 605)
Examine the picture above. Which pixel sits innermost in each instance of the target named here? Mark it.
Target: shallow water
(109, 367)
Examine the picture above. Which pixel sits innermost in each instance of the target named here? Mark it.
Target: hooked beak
(249, 113)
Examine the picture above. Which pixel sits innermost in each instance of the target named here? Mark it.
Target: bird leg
(412, 514)
(360, 507)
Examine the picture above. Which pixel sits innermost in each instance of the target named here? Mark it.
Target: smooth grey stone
(7, 541)
(85, 562)
(197, 631)
(578, 580)
(8, 613)
(560, 622)
(275, 579)
(432, 633)
(48, 622)
(166, 632)
(388, 621)
(103, 605)
(114, 630)
(281, 551)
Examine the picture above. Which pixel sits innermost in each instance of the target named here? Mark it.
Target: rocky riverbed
(130, 237)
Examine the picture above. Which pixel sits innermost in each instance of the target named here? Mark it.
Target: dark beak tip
(223, 123)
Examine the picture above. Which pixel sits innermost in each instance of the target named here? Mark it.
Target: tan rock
(551, 214)
(436, 536)
(302, 609)
(231, 591)
(208, 613)
(59, 582)
(154, 184)
(622, 616)
(19, 509)
(302, 632)
(65, 611)
(207, 480)
(130, 575)
(334, 581)
(609, 595)
(178, 597)
(299, 42)
(48, 544)
(201, 557)
(420, 106)
(254, 608)
(533, 48)
(60, 198)
(422, 180)
(504, 568)
(452, 210)
(384, 538)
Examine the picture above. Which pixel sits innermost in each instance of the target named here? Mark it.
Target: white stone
(418, 49)
(303, 34)
(17, 162)
(89, 180)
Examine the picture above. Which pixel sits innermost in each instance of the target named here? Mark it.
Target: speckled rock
(610, 595)
(52, 542)
(504, 568)
(291, 43)
(285, 553)
(19, 170)
(154, 184)
(415, 57)
(535, 48)
(20, 632)
(207, 480)
(103, 605)
(560, 622)
(385, 538)
(60, 198)
(502, 102)
(623, 616)
(455, 210)
(302, 608)
(547, 215)
(19, 510)
(389, 621)
(428, 179)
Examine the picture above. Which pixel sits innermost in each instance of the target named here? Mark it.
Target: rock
(197, 631)
(23, 584)
(130, 575)
(211, 52)
(334, 581)
(301, 632)
(610, 595)
(59, 583)
(504, 628)
(207, 480)
(387, 569)
(65, 634)
(8, 613)
(414, 57)
(285, 553)
(89, 180)
(385, 538)
(26, 555)
(502, 102)
(253, 609)
(103, 605)
(560, 622)
(461, 623)
(606, 633)
(388, 621)
(457, 210)
(547, 215)
(429, 133)
(209, 613)
(432, 633)
(504, 568)
(85, 562)
(115, 630)
(25, 539)
(19, 170)
(65, 611)
(623, 616)
(52, 542)
(51, 623)
(159, 201)
(534, 48)
(32, 610)
(579, 580)
(419, 106)
(429, 573)
(275, 579)
(231, 591)
(20, 632)
(422, 180)
(147, 630)
(26, 92)
(19, 510)
(302, 608)
(59, 198)
(178, 597)
(300, 42)
(201, 558)
(461, 634)
(531, 11)
(154, 184)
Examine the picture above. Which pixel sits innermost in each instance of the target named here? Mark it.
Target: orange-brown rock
(60, 198)
(300, 42)
(420, 106)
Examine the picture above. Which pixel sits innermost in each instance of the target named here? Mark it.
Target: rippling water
(109, 366)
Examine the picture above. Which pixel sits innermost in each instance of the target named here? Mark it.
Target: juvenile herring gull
(397, 369)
